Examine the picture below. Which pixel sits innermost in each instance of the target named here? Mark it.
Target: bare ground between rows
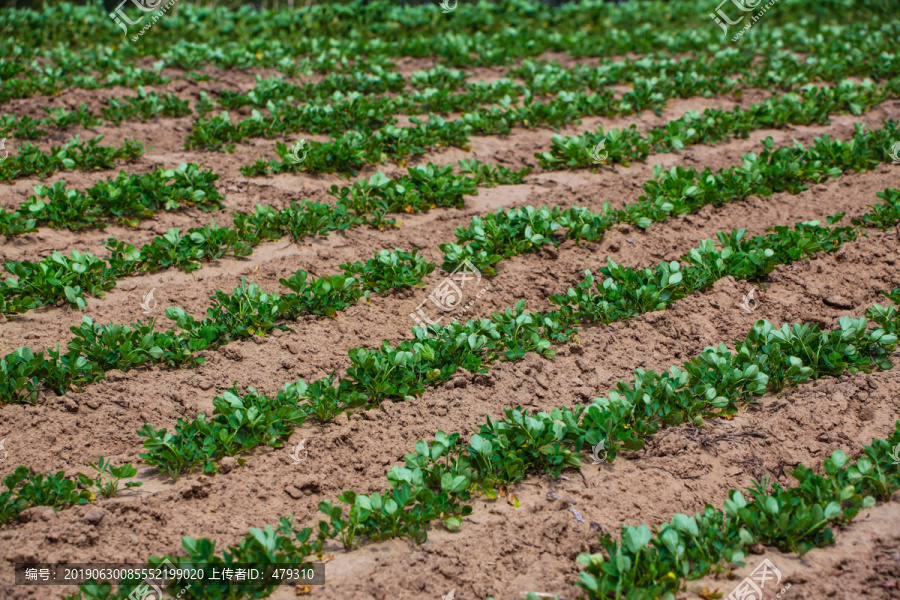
(354, 454)
(272, 261)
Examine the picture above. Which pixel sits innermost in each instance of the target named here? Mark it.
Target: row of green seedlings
(354, 149)
(248, 311)
(25, 489)
(485, 242)
(435, 354)
(685, 77)
(842, 42)
(440, 477)
(434, 87)
(26, 373)
(546, 77)
(354, 111)
(358, 23)
(334, 88)
(51, 80)
(434, 91)
(347, 109)
(59, 278)
(814, 105)
(145, 106)
(677, 191)
(657, 564)
(127, 199)
(31, 161)
(506, 233)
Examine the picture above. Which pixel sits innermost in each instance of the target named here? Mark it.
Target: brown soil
(501, 550)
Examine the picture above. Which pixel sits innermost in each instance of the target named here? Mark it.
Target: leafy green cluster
(58, 278)
(145, 106)
(814, 105)
(27, 128)
(642, 564)
(885, 214)
(505, 233)
(623, 292)
(75, 154)
(127, 199)
(239, 423)
(284, 546)
(25, 489)
(424, 188)
(390, 270)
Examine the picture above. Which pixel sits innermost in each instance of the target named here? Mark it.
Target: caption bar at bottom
(169, 573)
